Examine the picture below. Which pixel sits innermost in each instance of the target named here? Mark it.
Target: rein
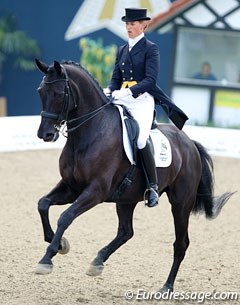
(86, 117)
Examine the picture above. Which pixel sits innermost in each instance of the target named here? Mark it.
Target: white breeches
(141, 108)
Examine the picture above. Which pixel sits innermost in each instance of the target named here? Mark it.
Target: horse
(93, 165)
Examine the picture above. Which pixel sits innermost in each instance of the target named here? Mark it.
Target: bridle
(62, 118)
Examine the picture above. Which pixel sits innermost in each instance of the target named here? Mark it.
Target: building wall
(47, 21)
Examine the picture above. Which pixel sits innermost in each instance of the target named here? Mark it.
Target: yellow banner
(230, 99)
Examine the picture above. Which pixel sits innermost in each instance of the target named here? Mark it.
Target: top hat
(135, 14)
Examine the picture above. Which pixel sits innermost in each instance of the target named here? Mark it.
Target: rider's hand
(119, 94)
(107, 92)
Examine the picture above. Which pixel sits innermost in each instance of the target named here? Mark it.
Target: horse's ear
(41, 66)
(57, 67)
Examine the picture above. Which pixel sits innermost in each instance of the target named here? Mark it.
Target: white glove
(119, 94)
(107, 92)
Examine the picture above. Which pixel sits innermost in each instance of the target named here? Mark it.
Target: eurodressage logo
(94, 15)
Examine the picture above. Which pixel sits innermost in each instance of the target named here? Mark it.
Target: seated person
(205, 73)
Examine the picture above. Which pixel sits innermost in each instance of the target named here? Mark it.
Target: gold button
(131, 71)
(124, 78)
(122, 71)
(131, 78)
(123, 64)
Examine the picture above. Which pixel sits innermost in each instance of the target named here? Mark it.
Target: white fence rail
(20, 133)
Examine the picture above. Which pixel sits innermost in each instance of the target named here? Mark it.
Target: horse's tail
(205, 201)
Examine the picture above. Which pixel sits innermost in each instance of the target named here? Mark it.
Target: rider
(133, 84)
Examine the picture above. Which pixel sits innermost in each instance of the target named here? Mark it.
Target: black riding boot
(149, 168)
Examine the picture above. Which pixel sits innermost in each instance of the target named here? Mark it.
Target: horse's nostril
(48, 137)
(51, 137)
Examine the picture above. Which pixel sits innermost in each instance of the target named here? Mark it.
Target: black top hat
(135, 14)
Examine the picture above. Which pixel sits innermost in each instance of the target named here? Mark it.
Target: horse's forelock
(51, 74)
(51, 70)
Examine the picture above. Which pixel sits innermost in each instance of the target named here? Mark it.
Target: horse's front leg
(86, 200)
(125, 232)
(60, 195)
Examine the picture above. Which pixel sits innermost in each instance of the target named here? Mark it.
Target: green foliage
(16, 43)
(97, 59)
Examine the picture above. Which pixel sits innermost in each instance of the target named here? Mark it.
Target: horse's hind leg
(181, 219)
(125, 232)
(60, 195)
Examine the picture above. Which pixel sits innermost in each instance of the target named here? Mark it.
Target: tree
(16, 43)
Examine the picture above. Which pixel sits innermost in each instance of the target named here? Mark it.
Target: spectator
(205, 73)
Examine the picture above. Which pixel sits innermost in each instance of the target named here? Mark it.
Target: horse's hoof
(95, 270)
(165, 289)
(65, 246)
(44, 269)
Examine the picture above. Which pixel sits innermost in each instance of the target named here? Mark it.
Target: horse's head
(69, 94)
(57, 100)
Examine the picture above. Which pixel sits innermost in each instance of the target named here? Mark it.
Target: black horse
(93, 165)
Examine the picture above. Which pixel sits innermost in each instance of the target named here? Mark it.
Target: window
(218, 48)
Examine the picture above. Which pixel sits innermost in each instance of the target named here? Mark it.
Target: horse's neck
(90, 127)
(89, 101)
(86, 93)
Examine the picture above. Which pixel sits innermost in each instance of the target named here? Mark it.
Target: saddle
(133, 131)
(132, 128)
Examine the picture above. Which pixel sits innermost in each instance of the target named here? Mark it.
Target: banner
(227, 108)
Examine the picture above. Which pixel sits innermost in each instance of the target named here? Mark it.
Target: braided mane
(92, 78)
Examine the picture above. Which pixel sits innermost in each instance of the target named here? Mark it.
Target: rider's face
(135, 28)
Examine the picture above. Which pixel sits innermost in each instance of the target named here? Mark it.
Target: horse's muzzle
(48, 136)
(47, 131)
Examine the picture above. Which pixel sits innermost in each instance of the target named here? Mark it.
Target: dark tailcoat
(141, 64)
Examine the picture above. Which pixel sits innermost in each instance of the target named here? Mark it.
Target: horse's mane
(92, 78)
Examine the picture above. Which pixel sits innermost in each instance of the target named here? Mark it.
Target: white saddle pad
(162, 148)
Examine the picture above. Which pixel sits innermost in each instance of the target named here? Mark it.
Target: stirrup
(145, 194)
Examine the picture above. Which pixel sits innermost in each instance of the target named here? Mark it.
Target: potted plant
(98, 59)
